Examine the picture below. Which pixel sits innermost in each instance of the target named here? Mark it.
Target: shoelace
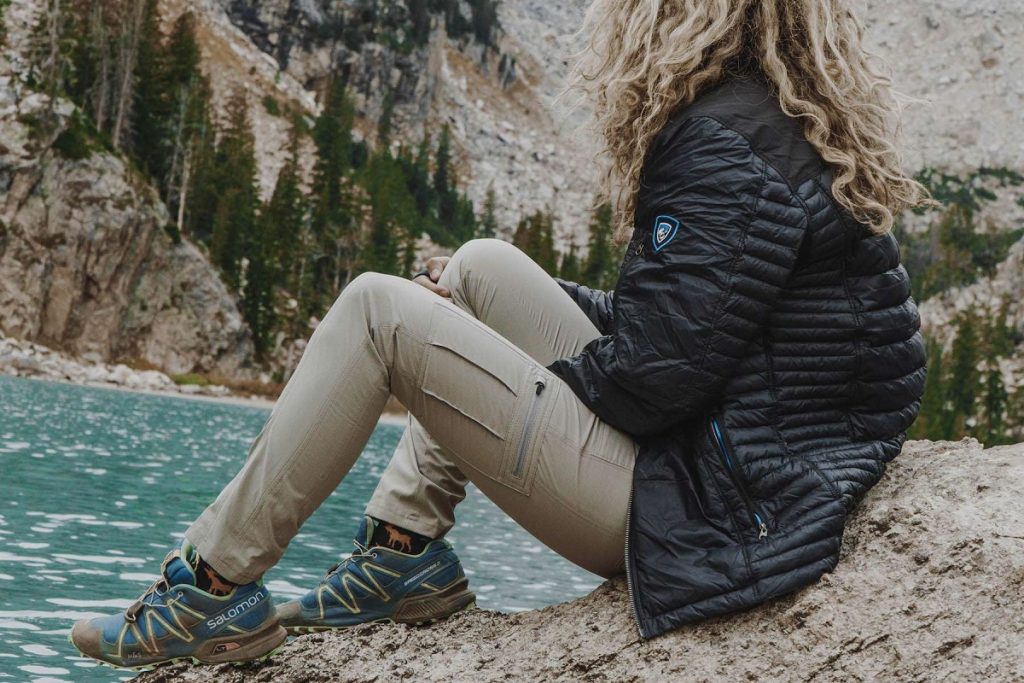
(361, 551)
(132, 613)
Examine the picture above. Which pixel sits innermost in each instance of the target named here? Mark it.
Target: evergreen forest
(142, 94)
(139, 92)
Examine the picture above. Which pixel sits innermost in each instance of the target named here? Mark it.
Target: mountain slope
(126, 291)
(85, 263)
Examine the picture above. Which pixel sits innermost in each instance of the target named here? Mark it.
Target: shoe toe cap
(290, 613)
(87, 636)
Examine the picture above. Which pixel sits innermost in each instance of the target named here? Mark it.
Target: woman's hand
(434, 268)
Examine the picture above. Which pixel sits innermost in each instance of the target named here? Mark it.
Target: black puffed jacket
(762, 347)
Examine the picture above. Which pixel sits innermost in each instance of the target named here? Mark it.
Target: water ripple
(97, 485)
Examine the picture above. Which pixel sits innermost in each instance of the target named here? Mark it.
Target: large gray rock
(86, 265)
(929, 588)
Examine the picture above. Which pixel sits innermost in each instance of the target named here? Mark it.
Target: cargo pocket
(480, 387)
(531, 420)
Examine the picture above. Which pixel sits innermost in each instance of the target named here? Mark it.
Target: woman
(705, 428)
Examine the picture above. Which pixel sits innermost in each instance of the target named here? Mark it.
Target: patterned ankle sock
(207, 578)
(387, 535)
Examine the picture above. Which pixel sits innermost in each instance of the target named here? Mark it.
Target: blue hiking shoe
(377, 584)
(175, 620)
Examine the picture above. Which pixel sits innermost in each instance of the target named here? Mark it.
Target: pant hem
(411, 521)
(223, 564)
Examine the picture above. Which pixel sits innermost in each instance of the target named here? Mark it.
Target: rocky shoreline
(19, 358)
(929, 588)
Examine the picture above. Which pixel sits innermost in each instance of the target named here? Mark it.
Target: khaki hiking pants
(482, 407)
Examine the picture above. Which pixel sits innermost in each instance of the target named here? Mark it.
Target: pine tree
(420, 184)
(546, 256)
(999, 338)
(488, 226)
(484, 20)
(234, 219)
(152, 108)
(171, 105)
(268, 243)
(200, 187)
(334, 220)
(929, 424)
(963, 377)
(523, 235)
(272, 248)
(285, 214)
(1014, 416)
(50, 64)
(191, 133)
(464, 225)
(600, 270)
(393, 215)
(126, 70)
(992, 428)
(447, 199)
(442, 162)
(570, 266)
(3, 25)
(258, 286)
(419, 21)
(384, 122)
(535, 237)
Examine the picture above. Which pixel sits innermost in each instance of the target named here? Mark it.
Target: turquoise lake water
(96, 485)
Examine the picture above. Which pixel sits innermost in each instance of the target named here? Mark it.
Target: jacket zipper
(755, 512)
(531, 414)
(629, 576)
(633, 249)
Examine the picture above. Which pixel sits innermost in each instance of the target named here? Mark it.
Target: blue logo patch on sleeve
(665, 229)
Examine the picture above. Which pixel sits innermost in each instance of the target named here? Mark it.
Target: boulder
(87, 265)
(930, 587)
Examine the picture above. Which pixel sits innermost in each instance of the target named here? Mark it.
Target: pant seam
(272, 488)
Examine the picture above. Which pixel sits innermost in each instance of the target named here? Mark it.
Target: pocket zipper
(531, 413)
(755, 512)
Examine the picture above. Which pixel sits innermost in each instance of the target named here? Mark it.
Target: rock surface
(20, 358)
(929, 588)
(85, 263)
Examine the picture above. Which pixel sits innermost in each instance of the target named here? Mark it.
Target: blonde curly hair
(643, 59)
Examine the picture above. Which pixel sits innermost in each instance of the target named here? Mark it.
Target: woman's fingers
(436, 266)
(429, 284)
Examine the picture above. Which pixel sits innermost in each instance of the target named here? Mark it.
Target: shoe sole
(418, 611)
(255, 649)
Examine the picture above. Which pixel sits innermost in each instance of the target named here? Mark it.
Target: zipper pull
(540, 386)
(639, 248)
(762, 527)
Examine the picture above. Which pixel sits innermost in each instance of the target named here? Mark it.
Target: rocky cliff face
(960, 62)
(85, 263)
(103, 280)
(498, 101)
(963, 61)
(928, 588)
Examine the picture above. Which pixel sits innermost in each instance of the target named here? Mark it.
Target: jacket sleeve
(597, 305)
(690, 298)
